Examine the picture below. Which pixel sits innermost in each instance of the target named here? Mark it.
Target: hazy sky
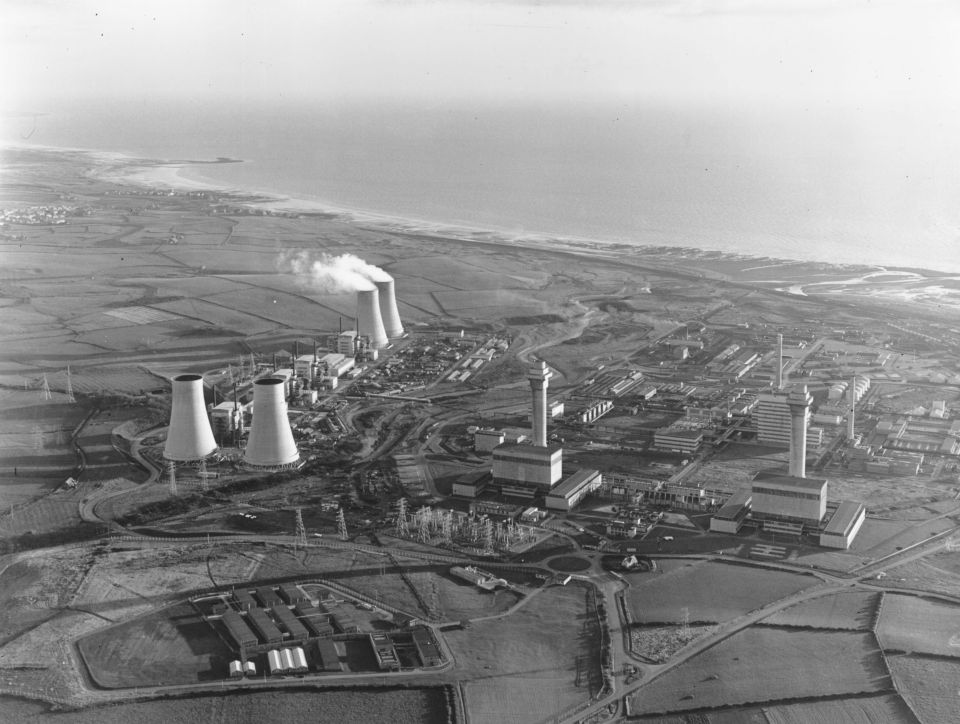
(761, 51)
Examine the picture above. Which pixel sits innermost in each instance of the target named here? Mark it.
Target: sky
(757, 51)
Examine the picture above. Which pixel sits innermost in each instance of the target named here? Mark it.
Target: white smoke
(333, 274)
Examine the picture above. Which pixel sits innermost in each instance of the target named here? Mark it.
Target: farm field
(767, 664)
(171, 646)
(151, 572)
(926, 574)
(913, 624)
(860, 710)
(533, 663)
(711, 592)
(851, 610)
(331, 706)
(34, 586)
(928, 686)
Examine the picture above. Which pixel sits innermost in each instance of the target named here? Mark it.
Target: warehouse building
(296, 631)
(238, 630)
(329, 656)
(265, 628)
(568, 494)
(733, 514)
(844, 525)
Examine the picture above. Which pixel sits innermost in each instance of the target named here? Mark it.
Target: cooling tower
(190, 436)
(369, 321)
(270, 444)
(388, 309)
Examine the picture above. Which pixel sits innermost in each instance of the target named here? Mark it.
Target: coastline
(187, 176)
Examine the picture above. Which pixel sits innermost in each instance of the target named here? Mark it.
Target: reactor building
(792, 503)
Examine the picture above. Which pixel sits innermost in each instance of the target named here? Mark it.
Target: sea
(852, 185)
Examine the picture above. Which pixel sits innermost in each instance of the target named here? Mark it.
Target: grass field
(909, 623)
(865, 710)
(928, 686)
(171, 646)
(334, 706)
(766, 664)
(710, 592)
(851, 610)
(532, 663)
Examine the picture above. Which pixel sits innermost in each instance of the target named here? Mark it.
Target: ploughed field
(765, 664)
(331, 706)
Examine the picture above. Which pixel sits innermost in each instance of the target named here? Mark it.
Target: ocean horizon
(827, 186)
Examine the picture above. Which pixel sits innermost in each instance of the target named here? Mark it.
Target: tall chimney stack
(369, 319)
(190, 436)
(271, 443)
(799, 401)
(779, 361)
(853, 408)
(388, 309)
(539, 376)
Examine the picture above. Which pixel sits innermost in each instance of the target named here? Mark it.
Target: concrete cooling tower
(388, 309)
(270, 444)
(369, 321)
(190, 436)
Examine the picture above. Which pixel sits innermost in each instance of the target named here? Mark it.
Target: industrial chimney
(388, 309)
(190, 436)
(369, 321)
(539, 377)
(270, 444)
(853, 408)
(799, 401)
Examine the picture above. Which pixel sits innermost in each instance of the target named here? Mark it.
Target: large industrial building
(792, 503)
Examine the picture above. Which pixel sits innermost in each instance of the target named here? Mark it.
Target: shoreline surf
(186, 175)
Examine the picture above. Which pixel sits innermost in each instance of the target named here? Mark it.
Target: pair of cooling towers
(270, 444)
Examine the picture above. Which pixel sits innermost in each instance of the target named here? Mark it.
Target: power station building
(527, 469)
(793, 503)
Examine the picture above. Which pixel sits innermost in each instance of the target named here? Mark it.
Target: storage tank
(190, 436)
(369, 321)
(271, 443)
(388, 309)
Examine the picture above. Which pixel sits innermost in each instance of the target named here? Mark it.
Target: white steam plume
(333, 274)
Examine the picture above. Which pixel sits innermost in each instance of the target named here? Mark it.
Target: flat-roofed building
(239, 631)
(732, 515)
(787, 497)
(265, 628)
(329, 656)
(296, 630)
(678, 439)
(568, 494)
(527, 466)
(470, 485)
(844, 525)
(486, 439)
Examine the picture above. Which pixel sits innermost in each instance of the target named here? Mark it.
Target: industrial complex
(487, 474)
